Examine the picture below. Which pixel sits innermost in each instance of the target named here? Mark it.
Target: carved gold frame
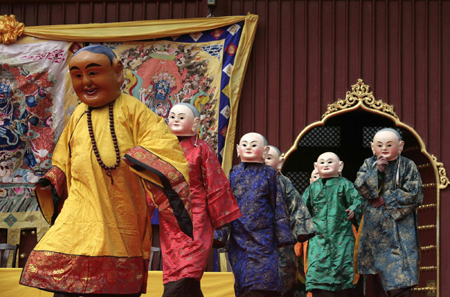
(361, 97)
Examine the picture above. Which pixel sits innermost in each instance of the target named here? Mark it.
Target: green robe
(330, 253)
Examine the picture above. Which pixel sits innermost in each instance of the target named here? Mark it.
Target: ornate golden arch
(360, 97)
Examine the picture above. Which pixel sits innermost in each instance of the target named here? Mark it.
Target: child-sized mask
(184, 119)
(387, 143)
(96, 78)
(252, 148)
(328, 165)
(314, 176)
(274, 158)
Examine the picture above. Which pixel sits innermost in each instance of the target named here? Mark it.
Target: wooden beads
(113, 135)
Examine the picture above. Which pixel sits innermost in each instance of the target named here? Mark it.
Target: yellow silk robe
(100, 241)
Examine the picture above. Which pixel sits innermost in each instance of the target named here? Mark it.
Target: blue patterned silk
(389, 244)
(255, 237)
(302, 227)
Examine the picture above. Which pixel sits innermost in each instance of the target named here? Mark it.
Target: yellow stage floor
(214, 284)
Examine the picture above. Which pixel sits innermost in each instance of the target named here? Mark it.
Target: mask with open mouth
(95, 79)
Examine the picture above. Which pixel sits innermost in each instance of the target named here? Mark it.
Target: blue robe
(389, 244)
(302, 227)
(264, 226)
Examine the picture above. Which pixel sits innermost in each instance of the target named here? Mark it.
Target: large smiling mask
(97, 75)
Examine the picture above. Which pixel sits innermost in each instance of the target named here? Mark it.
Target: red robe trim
(169, 182)
(71, 273)
(47, 204)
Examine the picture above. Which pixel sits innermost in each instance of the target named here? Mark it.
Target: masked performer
(213, 205)
(389, 244)
(333, 202)
(302, 226)
(255, 237)
(100, 241)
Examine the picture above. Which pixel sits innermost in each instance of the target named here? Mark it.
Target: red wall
(307, 54)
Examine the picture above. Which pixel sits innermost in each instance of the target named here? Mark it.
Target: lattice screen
(322, 136)
(300, 180)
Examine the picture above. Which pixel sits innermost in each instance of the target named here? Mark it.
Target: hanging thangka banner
(193, 68)
(32, 88)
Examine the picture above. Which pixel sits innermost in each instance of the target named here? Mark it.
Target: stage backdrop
(307, 54)
(32, 88)
(200, 61)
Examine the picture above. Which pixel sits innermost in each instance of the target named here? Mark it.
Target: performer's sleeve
(160, 162)
(355, 202)
(282, 230)
(302, 226)
(307, 200)
(51, 202)
(404, 200)
(150, 203)
(222, 205)
(367, 180)
(221, 236)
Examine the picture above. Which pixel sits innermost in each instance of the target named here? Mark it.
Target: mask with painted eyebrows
(274, 158)
(184, 119)
(252, 148)
(95, 79)
(329, 165)
(387, 144)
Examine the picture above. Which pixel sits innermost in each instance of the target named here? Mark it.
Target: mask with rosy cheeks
(94, 79)
(251, 148)
(314, 176)
(388, 145)
(273, 159)
(328, 165)
(182, 121)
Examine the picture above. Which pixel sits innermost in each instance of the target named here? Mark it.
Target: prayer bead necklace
(113, 135)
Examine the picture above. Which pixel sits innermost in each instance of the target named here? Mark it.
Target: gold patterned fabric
(10, 29)
(389, 242)
(120, 32)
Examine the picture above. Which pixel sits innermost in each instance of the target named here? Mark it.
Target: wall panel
(307, 54)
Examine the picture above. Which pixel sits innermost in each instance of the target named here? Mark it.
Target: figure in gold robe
(100, 241)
